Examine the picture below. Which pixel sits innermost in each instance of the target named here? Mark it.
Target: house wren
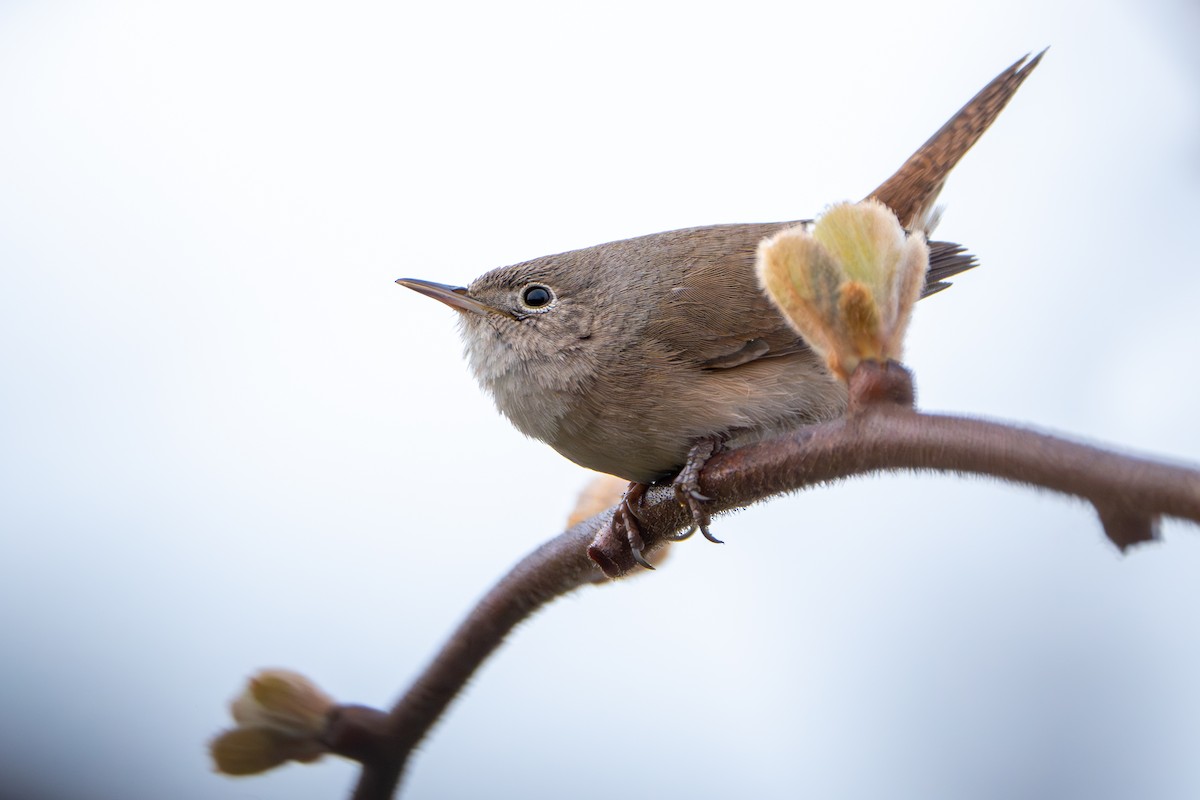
(640, 357)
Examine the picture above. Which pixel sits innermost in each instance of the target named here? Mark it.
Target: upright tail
(913, 190)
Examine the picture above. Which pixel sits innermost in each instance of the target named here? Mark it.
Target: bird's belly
(646, 438)
(634, 454)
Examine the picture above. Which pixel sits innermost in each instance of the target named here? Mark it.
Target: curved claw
(641, 559)
(679, 537)
(633, 531)
(687, 489)
(629, 508)
(685, 495)
(628, 519)
(633, 497)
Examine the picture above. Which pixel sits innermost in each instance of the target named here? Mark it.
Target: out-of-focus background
(228, 441)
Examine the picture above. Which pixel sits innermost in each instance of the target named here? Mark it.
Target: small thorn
(1126, 528)
(708, 535)
(701, 498)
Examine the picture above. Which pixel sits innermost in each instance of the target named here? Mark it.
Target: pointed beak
(454, 296)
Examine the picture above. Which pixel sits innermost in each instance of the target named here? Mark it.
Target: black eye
(536, 296)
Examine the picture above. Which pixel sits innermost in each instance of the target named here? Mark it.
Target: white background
(228, 441)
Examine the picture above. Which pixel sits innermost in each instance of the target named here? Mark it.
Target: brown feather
(912, 191)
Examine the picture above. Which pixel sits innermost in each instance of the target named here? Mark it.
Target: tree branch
(881, 432)
(382, 743)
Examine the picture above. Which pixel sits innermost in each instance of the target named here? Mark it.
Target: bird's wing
(716, 317)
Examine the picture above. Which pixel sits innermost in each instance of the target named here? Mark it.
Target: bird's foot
(687, 488)
(626, 519)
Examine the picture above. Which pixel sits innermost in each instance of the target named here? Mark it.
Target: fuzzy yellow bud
(280, 717)
(283, 700)
(251, 751)
(847, 286)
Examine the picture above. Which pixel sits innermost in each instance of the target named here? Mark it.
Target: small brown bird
(641, 357)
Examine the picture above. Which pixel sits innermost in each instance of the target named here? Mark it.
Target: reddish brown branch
(881, 433)
(382, 743)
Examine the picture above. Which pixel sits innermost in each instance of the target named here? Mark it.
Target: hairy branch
(383, 742)
(881, 432)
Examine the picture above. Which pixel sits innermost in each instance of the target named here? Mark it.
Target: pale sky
(229, 441)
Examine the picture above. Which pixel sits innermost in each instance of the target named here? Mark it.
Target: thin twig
(555, 568)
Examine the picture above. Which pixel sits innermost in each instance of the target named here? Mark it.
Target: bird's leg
(687, 492)
(625, 517)
(687, 487)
